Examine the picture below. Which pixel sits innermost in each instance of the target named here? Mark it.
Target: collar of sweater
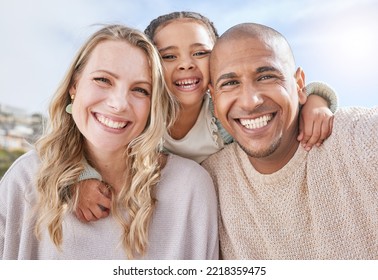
(295, 165)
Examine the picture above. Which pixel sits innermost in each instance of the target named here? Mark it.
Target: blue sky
(334, 41)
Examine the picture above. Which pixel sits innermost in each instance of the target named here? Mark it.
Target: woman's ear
(300, 79)
(72, 89)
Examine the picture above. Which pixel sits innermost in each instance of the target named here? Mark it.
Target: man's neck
(277, 160)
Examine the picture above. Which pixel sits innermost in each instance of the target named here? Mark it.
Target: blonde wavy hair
(62, 152)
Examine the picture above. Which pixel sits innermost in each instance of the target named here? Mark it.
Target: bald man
(276, 200)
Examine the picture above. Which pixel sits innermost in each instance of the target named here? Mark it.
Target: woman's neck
(112, 167)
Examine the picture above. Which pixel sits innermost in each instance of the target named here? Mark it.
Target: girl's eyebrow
(168, 48)
(175, 47)
(200, 45)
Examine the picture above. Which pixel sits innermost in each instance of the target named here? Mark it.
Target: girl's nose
(186, 63)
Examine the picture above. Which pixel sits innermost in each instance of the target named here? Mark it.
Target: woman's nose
(118, 101)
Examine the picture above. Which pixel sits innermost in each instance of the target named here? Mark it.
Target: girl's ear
(300, 79)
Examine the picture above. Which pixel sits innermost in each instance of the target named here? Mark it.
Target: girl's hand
(315, 122)
(93, 200)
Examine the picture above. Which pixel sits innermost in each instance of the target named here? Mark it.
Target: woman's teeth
(110, 123)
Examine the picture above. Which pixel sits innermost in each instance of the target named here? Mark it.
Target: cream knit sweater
(322, 205)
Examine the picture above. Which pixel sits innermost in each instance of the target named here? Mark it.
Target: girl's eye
(201, 53)
(168, 57)
(102, 80)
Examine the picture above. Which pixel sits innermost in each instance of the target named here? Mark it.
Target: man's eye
(229, 83)
(266, 77)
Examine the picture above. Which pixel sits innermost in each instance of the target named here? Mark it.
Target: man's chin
(260, 152)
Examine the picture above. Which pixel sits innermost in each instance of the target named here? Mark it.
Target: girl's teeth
(256, 123)
(187, 82)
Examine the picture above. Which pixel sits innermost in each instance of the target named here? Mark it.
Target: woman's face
(185, 46)
(112, 96)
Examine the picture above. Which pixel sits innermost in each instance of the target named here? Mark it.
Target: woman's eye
(102, 80)
(142, 90)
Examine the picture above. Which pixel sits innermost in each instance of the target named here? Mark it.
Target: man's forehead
(238, 51)
(239, 42)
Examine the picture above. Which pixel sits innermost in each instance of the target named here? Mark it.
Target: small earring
(69, 106)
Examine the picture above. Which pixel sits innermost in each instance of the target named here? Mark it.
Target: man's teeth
(110, 123)
(256, 123)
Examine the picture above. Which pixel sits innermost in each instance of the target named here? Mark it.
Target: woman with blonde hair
(110, 112)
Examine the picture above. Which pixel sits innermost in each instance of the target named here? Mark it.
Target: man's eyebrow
(232, 75)
(266, 69)
(225, 76)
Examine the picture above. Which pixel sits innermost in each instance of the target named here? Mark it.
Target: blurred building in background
(18, 129)
(18, 132)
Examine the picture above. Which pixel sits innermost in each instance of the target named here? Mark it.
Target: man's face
(256, 93)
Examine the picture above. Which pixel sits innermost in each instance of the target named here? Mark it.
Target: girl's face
(185, 46)
(112, 96)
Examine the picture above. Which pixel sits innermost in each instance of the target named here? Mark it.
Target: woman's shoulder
(185, 164)
(185, 171)
(186, 179)
(18, 183)
(26, 160)
(23, 168)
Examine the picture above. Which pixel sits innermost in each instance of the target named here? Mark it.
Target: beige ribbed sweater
(322, 205)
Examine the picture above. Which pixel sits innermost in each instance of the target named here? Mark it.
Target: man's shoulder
(350, 114)
(221, 157)
(356, 121)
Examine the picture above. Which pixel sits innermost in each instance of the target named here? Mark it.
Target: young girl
(185, 41)
(111, 110)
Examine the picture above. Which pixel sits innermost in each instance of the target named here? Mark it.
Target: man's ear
(212, 94)
(300, 79)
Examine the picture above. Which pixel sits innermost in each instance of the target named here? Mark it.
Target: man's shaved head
(263, 33)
